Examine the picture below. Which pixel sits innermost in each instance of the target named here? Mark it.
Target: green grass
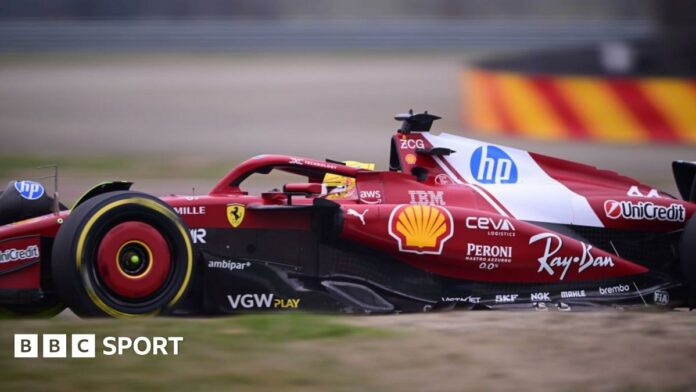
(251, 352)
(146, 165)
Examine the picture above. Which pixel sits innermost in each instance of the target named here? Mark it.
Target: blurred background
(173, 93)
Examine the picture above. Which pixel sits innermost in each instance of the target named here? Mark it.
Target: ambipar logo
(85, 345)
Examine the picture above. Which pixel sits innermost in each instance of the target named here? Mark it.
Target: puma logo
(360, 216)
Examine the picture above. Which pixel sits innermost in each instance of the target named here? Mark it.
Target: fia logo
(29, 190)
(491, 165)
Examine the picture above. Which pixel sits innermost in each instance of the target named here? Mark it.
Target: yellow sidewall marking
(83, 236)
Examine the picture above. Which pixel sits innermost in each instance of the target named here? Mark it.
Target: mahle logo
(492, 165)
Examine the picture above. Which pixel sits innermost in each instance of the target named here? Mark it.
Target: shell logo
(421, 229)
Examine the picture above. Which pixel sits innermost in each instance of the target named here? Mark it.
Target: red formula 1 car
(454, 223)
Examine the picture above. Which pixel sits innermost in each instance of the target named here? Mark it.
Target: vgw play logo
(491, 165)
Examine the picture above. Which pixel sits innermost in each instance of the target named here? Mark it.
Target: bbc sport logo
(85, 345)
(492, 165)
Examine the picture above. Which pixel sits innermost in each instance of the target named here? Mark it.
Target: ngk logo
(644, 210)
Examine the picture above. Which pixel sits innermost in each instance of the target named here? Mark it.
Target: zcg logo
(491, 165)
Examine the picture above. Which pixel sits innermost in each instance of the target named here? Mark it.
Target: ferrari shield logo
(235, 214)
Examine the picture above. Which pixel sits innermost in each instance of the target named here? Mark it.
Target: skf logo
(421, 229)
(235, 214)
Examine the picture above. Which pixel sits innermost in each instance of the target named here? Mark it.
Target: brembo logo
(622, 288)
(421, 229)
(492, 165)
(30, 252)
(644, 210)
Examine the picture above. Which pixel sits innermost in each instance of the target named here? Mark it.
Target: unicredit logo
(613, 209)
(644, 211)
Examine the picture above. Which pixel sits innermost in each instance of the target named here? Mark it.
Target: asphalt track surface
(194, 108)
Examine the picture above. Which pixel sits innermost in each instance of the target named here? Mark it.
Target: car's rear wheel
(122, 254)
(687, 256)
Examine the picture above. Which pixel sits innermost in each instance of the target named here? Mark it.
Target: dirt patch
(536, 351)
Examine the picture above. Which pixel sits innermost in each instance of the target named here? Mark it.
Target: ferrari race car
(455, 223)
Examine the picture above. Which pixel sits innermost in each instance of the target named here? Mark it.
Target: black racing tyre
(687, 256)
(122, 254)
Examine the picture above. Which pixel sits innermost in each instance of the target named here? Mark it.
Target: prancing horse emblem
(235, 214)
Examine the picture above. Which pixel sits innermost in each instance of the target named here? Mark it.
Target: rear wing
(685, 177)
(406, 149)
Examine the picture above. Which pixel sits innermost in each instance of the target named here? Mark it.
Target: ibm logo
(491, 165)
(85, 345)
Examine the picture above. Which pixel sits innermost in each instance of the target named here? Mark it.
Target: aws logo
(421, 229)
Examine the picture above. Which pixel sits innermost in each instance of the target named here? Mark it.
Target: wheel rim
(133, 260)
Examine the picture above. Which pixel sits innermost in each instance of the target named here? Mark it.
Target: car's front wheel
(122, 254)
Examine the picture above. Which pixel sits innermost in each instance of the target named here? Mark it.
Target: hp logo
(491, 165)
(29, 190)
